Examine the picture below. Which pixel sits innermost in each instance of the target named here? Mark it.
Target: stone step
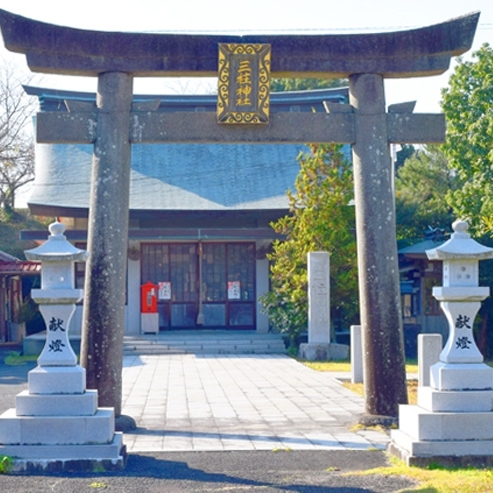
(439, 448)
(85, 404)
(112, 450)
(202, 349)
(205, 343)
(455, 400)
(183, 342)
(57, 430)
(424, 425)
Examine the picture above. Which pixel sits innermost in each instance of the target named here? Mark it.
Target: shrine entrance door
(202, 285)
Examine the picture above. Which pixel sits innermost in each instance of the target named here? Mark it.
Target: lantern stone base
(323, 352)
(453, 401)
(459, 453)
(54, 380)
(425, 425)
(448, 427)
(453, 376)
(85, 404)
(68, 458)
(57, 426)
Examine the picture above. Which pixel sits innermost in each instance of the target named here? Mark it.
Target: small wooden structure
(12, 298)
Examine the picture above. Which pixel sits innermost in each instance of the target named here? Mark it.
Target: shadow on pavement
(200, 472)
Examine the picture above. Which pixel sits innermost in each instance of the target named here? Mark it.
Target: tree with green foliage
(321, 219)
(279, 85)
(421, 187)
(468, 106)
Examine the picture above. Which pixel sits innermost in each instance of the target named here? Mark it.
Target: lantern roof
(460, 246)
(57, 248)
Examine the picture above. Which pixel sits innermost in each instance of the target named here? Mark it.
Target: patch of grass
(411, 366)
(14, 358)
(98, 484)
(345, 365)
(292, 351)
(412, 389)
(357, 388)
(437, 479)
(328, 365)
(380, 428)
(282, 449)
(98, 467)
(5, 464)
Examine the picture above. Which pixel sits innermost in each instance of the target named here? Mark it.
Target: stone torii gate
(115, 123)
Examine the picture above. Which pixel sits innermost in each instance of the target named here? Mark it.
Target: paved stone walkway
(239, 402)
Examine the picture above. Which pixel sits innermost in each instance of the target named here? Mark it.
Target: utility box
(149, 316)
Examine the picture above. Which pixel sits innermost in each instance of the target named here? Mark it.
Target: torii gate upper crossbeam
(63, 50)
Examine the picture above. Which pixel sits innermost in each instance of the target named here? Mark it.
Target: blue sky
(307, 16)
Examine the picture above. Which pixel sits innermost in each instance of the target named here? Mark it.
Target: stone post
(381, 320)
(319, 346)
(429, 348)
(356, 355)
(318, 298)
(104, 303)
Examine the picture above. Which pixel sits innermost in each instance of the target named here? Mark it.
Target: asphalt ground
(304, 471)
(233, 471)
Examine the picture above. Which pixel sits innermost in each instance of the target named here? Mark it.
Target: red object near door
(148, 298)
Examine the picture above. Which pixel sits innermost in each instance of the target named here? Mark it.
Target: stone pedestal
(323, 352)
(449, 427)
(319, 347)
(56, 424)
(453, 421)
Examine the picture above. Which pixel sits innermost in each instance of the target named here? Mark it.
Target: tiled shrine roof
(178, 177)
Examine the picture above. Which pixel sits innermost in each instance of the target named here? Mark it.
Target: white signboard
(234, 290)
(164, 290)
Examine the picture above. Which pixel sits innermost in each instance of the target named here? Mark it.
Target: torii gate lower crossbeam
(364, 59)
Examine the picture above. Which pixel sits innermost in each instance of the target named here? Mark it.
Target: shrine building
(199, 215)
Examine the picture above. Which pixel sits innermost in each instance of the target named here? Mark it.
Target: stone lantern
(460, 299)
(57, 296)
(57, 424)
(453, 421)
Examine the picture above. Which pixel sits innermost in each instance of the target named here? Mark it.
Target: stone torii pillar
(365, 59)
(377, 248)
(104, 303)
